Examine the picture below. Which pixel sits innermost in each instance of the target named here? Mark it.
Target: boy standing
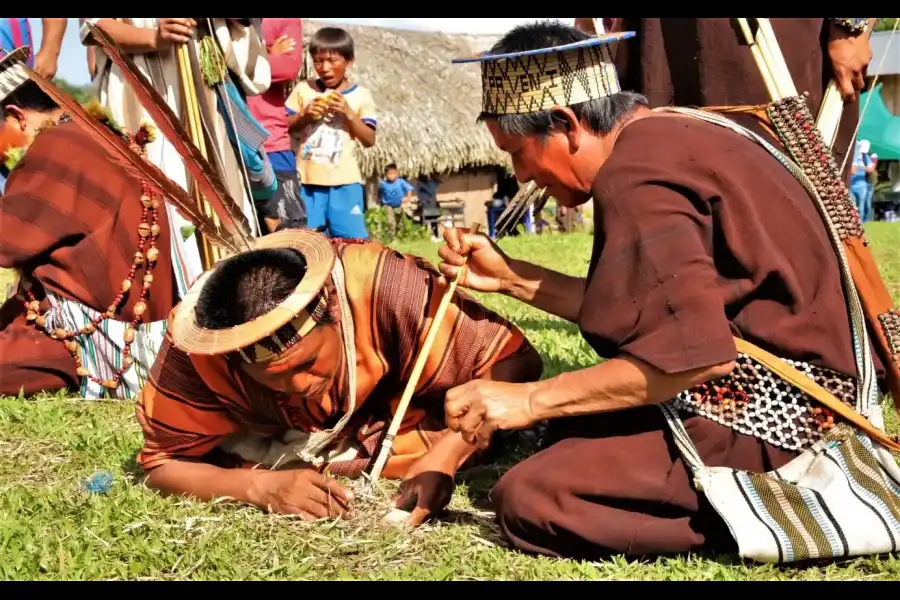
(328, 113)
(284, 41)
(393, 191)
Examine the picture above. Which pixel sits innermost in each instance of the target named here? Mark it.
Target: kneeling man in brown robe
(701, 237)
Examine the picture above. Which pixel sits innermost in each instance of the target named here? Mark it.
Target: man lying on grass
(295, 354)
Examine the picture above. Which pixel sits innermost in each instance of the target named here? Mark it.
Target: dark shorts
(286, 204)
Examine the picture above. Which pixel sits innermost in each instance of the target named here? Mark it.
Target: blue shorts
(339, 207)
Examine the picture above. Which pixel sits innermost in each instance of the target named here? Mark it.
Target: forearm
(545, 289)
(92, 62)
(522, 367)
(53, 32)
(452, 450)
(616, 384)
(285, 67)
(205, 482)
(133, 40)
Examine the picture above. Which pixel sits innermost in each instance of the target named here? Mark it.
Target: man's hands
(303, 492)
(45, 63)
(487, 268)
(850, 56)
(479, 408)
(47, 58)
(173, 31)
(427, 487)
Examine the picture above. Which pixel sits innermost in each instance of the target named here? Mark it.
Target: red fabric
(268, 108)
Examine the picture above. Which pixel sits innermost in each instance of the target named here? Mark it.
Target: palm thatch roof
(426, 106)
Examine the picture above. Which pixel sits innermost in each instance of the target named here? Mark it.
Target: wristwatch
(851, 25)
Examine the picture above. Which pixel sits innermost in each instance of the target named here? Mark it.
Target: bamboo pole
(210, 254)
(416, 374)
(777, 65)
(214, 251)
(758, 57)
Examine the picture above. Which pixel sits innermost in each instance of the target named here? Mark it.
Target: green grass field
(50, 528)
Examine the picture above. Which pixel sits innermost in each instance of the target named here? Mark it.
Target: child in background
(393, 191)
(327, 114)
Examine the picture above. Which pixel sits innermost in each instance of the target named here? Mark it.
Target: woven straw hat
(320, 257)
(12, 71)
(537, 80)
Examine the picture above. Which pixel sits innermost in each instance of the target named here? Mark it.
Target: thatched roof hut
(426, 106)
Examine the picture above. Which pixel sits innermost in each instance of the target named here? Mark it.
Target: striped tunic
(193, 403)
(69, 220)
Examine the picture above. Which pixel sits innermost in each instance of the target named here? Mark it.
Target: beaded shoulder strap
(809, 386)
(866, 390)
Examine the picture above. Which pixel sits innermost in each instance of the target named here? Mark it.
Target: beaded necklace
(146, 256)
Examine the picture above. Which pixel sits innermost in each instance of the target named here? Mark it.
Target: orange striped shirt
(192, 403)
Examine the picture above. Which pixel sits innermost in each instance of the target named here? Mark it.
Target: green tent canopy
(879, 126)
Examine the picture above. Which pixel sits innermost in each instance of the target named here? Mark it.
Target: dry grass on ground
(50, 528)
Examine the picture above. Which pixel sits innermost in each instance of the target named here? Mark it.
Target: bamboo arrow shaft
(210, 253)
(416, 374)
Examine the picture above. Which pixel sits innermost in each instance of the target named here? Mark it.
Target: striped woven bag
(841, 497)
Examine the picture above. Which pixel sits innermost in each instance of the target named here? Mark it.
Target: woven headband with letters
(537, 80)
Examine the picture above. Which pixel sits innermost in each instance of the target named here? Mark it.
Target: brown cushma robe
(705, 62)
(70, 218)
(698, 238)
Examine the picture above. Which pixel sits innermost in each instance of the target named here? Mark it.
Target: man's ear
(16, 113)
(564, 121)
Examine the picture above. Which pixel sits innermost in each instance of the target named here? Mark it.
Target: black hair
(390, 167)
(29, 96)
(332, 39)
(247, 286)
(599, 116)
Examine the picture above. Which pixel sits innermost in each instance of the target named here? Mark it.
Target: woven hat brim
(599, 40)
(320, 257)
(14, 71)
(20, 54)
